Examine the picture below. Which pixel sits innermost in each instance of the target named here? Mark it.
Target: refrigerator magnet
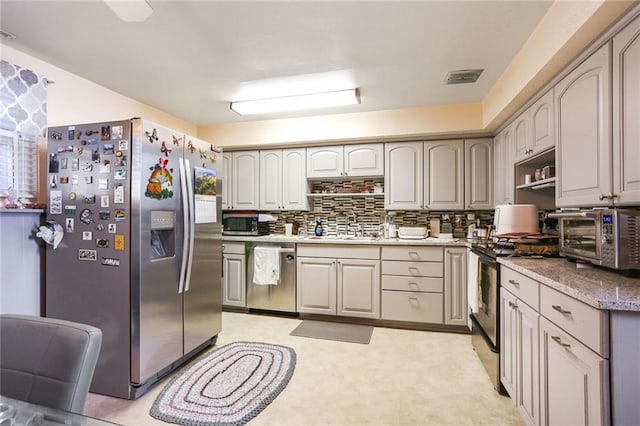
(176, 141)
(95, 155)
(120, 214)
(55, 202)
(105, 133)
(118, 194)
(54, 164)
(108, 149)
(86, 216)
(89, 198)
(63, 180)
(73, 195)
(110, 261)
(118, 242)
(121, 160)
(69, 226)
(116, 132)
(102, 242)
(56, 136)
(111, 228)
(88, 180)
(104, 214)
(123, 145)
(75, 180)
(100, 227)
(105, 167)
(151, 136)
(63, 163)
(75, 164)
(84, 254)
(87, 235)
(120, 174)
(53, 181)
(69, 209)
(91, 132)
(104, 201)
(80, 150)
(103, 183)
(71, 133)
(87, 167)
(63, 149)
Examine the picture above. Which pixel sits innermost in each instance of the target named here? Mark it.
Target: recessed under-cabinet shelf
(540, 184)
(347, 194)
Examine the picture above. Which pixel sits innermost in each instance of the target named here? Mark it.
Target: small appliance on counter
(413, 232)
(240, 223)
(515, 218)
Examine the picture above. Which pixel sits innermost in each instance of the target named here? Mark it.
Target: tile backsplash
(336, 203)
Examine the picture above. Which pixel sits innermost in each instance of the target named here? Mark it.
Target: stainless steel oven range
(485, 315)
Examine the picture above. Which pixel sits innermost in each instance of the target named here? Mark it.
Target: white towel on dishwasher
(266, 265)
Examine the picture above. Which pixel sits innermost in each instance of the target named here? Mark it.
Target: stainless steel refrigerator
(141, 253)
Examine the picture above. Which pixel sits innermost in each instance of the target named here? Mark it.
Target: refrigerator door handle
(185, 221)
(192, 223)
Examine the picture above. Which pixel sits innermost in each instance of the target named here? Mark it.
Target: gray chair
(47, 361)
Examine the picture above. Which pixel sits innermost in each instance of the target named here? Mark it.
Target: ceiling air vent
(463, 76)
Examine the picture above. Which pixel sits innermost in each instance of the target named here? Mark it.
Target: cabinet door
(499, 169)
(294, 182)
(583, 135)
(271, 180)
(245, 180)
(574, 380)
(364, 160)
(528, 389)
(542, 124)
(521, 149)
(359, 288)
(455, 286)
(234, 288)
(227, 175)
(509, 174)
(478, 164)
(508, 342)
(626, 110)
(316, 281)
(325, 162)
(444, 175)
(403, 176)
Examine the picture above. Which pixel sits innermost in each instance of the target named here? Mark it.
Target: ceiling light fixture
(130, 10)
(296, 103)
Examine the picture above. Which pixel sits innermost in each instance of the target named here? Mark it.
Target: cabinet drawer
(232, 248)
(412, 306)
(416, 284)
(413, 253)
(523, 287)
(587, 324)
(339, 251)
(413, 269)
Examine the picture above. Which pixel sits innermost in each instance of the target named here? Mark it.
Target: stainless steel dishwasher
(280, 297)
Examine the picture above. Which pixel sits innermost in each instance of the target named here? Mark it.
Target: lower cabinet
(234, 278)
(333, 280)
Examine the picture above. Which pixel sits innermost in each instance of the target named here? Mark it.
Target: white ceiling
(191, 58)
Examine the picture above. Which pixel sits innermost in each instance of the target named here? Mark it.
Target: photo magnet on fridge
(53, 181)
(71, 133)
(104, 214)
(63, 163)
(63, 180)
(123, 145)
(87, 235)
(105, 134)
(84, 254)
(75, 164)
(108, 149)
(55, 202)
(54, 164)
(116, 132)
(69, 224)
(111, 228)
(104, 201)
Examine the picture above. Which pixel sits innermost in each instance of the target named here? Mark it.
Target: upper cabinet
(444, 175)
(283, 185)
(345, 161)
(503, 175)
(542, 125)
(626, 110)
(521, 136)
(478, 175)
(241, 189)
(583, 135)
(403, 176)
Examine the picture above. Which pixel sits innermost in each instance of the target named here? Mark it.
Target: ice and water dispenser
(163, 234)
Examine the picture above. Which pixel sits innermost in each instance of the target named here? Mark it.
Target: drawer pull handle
(414, 269)
(558, 341)
(415, 284)
(413, 298)
(514, 282)
(414, 254)
(559, 309)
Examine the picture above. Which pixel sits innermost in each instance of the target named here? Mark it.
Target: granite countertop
(594, 286)
(280, 238)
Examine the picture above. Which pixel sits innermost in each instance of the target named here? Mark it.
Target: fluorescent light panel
(297, 103)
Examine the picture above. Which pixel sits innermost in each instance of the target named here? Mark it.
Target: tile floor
(401, 377)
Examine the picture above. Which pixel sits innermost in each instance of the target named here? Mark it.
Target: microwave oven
(240, 223)
(607, 237)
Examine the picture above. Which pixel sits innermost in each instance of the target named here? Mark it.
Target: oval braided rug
(229, 386)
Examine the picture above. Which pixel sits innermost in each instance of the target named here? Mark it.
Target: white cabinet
(338, 280)
(234, 279)
(583, 133)
(412, 284)
(345, 161)
(444, 175)
(542, 120)
(478, 175)
(519, 369)
(403, 176)
(521, 134)
(240, 182)
(283, 184)
(626, 110)
(503, 170)
(455, 286)
(574, 380)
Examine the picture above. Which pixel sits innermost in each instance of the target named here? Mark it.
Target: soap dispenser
(318, 229)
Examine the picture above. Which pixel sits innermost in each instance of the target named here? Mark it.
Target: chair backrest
(47, 361)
